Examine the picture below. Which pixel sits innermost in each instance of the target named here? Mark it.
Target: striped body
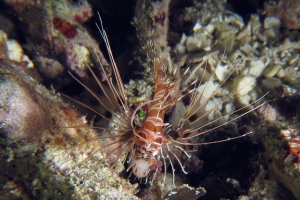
(150, 137)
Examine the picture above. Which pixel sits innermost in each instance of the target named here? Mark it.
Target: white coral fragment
(256, 67)
(83, 55)
(272, 22)
(14, 50)
(222, 71)
(197, 42)
(197, 27)
(272, 25)
(242, 85)
(271, 70)
(234, 19)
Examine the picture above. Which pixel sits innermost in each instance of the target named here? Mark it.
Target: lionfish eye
(142, 114)
(173, 134)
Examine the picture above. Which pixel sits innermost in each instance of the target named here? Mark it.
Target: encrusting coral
(40, 157)
(54, 29)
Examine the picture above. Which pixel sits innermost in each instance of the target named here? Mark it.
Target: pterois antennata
(149, 141)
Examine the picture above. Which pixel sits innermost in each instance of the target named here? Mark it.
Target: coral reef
(42, 158)
(58, 32)
(287, 11)
(12, 50)
(264, 58)
(283, 164)
(265, 188)
(253, 49)
(185, 191)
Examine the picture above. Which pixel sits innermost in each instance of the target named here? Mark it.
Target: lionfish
(149, 146)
